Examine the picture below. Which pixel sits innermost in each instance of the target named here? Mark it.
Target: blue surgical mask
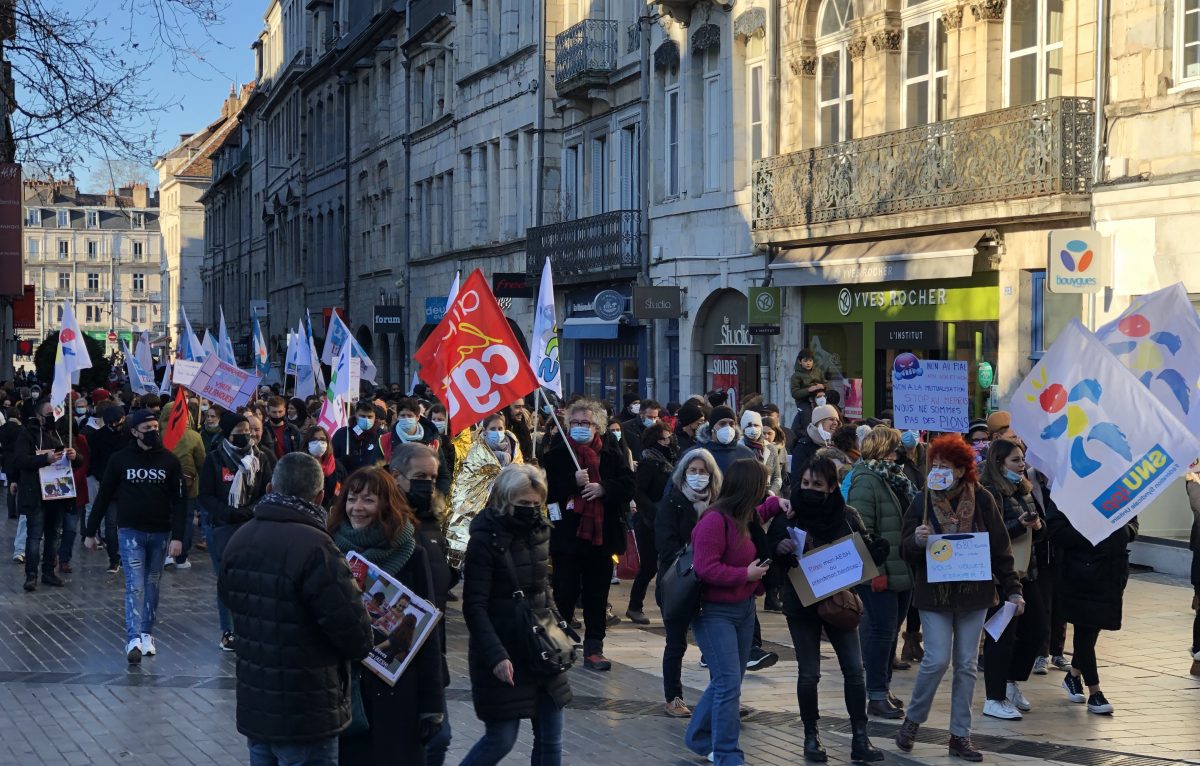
(647, 422)
(940, 479)
(617, 435)
(440, 425)
(495, 438)
(406, 424)
(581, 434)
(365, 424)
(546, 408)
(1013, 476)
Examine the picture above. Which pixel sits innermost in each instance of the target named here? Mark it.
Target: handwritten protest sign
(223, 383)
(832, 568)
(930, 395)
(959, 558)
(184, 372)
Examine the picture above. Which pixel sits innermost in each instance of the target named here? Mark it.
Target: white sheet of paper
(833, 568)
(799, 536)
(1000, 620)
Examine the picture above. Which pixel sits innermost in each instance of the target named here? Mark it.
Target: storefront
(857, 331)
(605, 347)
(732, 356)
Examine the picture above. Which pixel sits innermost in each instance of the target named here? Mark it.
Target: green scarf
(370, 543)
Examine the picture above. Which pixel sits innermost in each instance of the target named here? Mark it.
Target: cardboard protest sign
(832, 568)
(221, 382)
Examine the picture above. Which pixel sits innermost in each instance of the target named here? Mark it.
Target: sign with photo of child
(402, 620)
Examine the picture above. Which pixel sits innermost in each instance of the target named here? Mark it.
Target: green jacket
(191, 453)
(883, 515)
(801, 379)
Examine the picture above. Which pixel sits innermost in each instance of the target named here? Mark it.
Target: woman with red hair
(952, 613)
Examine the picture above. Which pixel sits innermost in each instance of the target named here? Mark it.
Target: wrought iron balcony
(584, 56)
(1036, 150)
(608, 245)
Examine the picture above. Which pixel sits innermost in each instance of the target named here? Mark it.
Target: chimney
(110, 198)
(141, 195)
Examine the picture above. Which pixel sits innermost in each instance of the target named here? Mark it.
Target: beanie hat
(629, 397)
(998, 421)
(112, 414)
(909, 439)
(721, 413)
(751, 418)
(100, 395)
(230, 421)
(979, 424)
(862, 432)
(137, 417)
(825, 411)
(689, 413)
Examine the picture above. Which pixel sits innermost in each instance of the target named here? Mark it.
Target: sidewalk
(67, 695)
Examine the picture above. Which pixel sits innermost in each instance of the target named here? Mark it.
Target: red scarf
(328, 462)
(591, 512)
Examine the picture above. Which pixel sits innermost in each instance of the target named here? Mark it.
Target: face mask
(635, 408)
(940, 479)
(316, 448)
(581, 434)
(525, 514)
(617, 435)
(698, 481)
(204, 408)
(240, 441)
(152, 439)
(725, 434)
(752, 432)
(365, 424)
(81, 411)
(440, 425)
(1013, 476)
(812, 497)
(406, 424)
(495, 438)
(420, 492)
(820, 400)
(825, 435)
(276, 422)
(546, 408)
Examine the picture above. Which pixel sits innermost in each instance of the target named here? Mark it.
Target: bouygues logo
(1077, 258)
(907, 366)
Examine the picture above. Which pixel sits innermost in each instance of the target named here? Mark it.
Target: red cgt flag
(177, 420)
(472, 361)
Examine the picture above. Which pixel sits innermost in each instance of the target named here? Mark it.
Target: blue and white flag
(1158, 339)
(262, 363)
(190, 349)
(306, 384)
(71, 356)
(1108, 449)
(314, 357)
(208, 345)
(141, 380)
(337, 335)
(543, 345)
(224, 345)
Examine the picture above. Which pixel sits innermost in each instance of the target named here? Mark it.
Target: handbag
(546, 644)
(629, 562)
(843, 610)
(358, 711)
(679, 587)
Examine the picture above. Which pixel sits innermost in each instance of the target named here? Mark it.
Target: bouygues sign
(1077, 261)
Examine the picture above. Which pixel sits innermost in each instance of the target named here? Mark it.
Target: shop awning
(590, 328)
(936, 256)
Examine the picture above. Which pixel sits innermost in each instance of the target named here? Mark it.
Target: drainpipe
(345, 83)
(540, 192)
(644, 191)
(405, 370)
(1099, 146)
(772, 104)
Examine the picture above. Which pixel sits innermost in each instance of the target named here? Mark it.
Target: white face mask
(820, 400)
(752, 432)
(697, 481)
(940, 479)
(725, 434)
(316, 447)
(635, 408)
(825, 435)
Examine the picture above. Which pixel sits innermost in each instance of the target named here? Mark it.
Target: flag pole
(566, 439)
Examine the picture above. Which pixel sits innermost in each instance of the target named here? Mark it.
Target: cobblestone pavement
(67, 696)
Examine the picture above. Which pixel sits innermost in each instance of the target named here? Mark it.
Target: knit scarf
(405, 437)
(591, 512)
(315, 512)
(756, 446)
(699, 500)
(328, 461)
(370, 543)
(504, 453)
(893, 475)
(248, 467)
(955, 509)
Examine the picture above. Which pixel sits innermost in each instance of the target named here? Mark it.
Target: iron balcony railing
(584, 54)
(587, 247)
(1035, 150)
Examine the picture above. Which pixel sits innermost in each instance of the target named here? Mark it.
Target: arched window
(835, 72)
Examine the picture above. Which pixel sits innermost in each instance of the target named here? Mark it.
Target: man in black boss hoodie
(147, 482)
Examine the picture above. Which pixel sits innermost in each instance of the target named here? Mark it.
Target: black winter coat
(673, 525)
(1090, 579)
(300, 622)
(617, 479)
(650, 483)
(493, 618)
(216, 477)
(293, 440)
(1011, 508)
(25, 463)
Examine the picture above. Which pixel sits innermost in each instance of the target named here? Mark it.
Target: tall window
(139, 282)
(835, 75)
(599, 175)
(1187, 41)
(91, 250)
(139, 220)
(33, 247)
(93, 280)
(712, 118)
(63, 219)
(64, 280)
(755, 68)
(672, 138)
(572, 183)
(33, 216)
(629, 168)
(64, 249)
(1034, 41)
(925, 70)
(93, 219)
(137, 251)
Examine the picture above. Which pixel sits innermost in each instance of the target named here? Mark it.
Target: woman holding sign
(819, 510)
(955, 540)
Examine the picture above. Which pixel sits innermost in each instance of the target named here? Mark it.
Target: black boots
(861, 749)
(813, 749)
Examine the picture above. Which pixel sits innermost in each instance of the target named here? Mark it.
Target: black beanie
(689, 413)
(230, 421)
(629, 397)
(721, 413)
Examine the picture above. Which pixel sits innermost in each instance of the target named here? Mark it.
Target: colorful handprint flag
(1158, 339)
(1108, 449)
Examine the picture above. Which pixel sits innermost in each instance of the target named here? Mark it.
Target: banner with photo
(403, 621)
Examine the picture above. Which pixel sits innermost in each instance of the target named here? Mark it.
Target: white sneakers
(148, 647)
(1017, 698)
(1001, 709)
(133, 651)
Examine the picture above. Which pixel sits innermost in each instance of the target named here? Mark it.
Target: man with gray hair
(299, 619)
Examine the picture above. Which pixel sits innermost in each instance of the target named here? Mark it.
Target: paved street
(67, 695)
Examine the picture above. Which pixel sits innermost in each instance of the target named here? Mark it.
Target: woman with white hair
(505, 688)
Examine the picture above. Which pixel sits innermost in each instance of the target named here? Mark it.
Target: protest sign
(832, 568)
(57, 480)
(929, 394)
(184, 372)
(222, 383)
(402, 620)
(963, 557)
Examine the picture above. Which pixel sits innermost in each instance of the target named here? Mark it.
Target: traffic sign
(112, 336)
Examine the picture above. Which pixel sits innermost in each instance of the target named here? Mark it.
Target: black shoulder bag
(546, 644)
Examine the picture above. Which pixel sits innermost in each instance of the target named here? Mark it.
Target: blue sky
(222, 57)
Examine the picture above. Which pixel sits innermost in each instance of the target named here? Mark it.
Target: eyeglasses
(581, 423)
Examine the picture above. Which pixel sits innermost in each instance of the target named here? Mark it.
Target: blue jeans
(142, 555)
(70, 529)
(21, 536)
(435, 749)
(877, 632)
(500, 736)
(724, 633)
(218, 538)
(322, 752)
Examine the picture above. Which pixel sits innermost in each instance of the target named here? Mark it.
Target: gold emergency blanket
(469, 492)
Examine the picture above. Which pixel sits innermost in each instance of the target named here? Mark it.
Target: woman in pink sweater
(726, 562)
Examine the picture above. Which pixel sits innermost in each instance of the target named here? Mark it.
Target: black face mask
(240, 441)
(812, 498)
(525, 515)
(420, 493)
(151, 439)
(276, 422)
